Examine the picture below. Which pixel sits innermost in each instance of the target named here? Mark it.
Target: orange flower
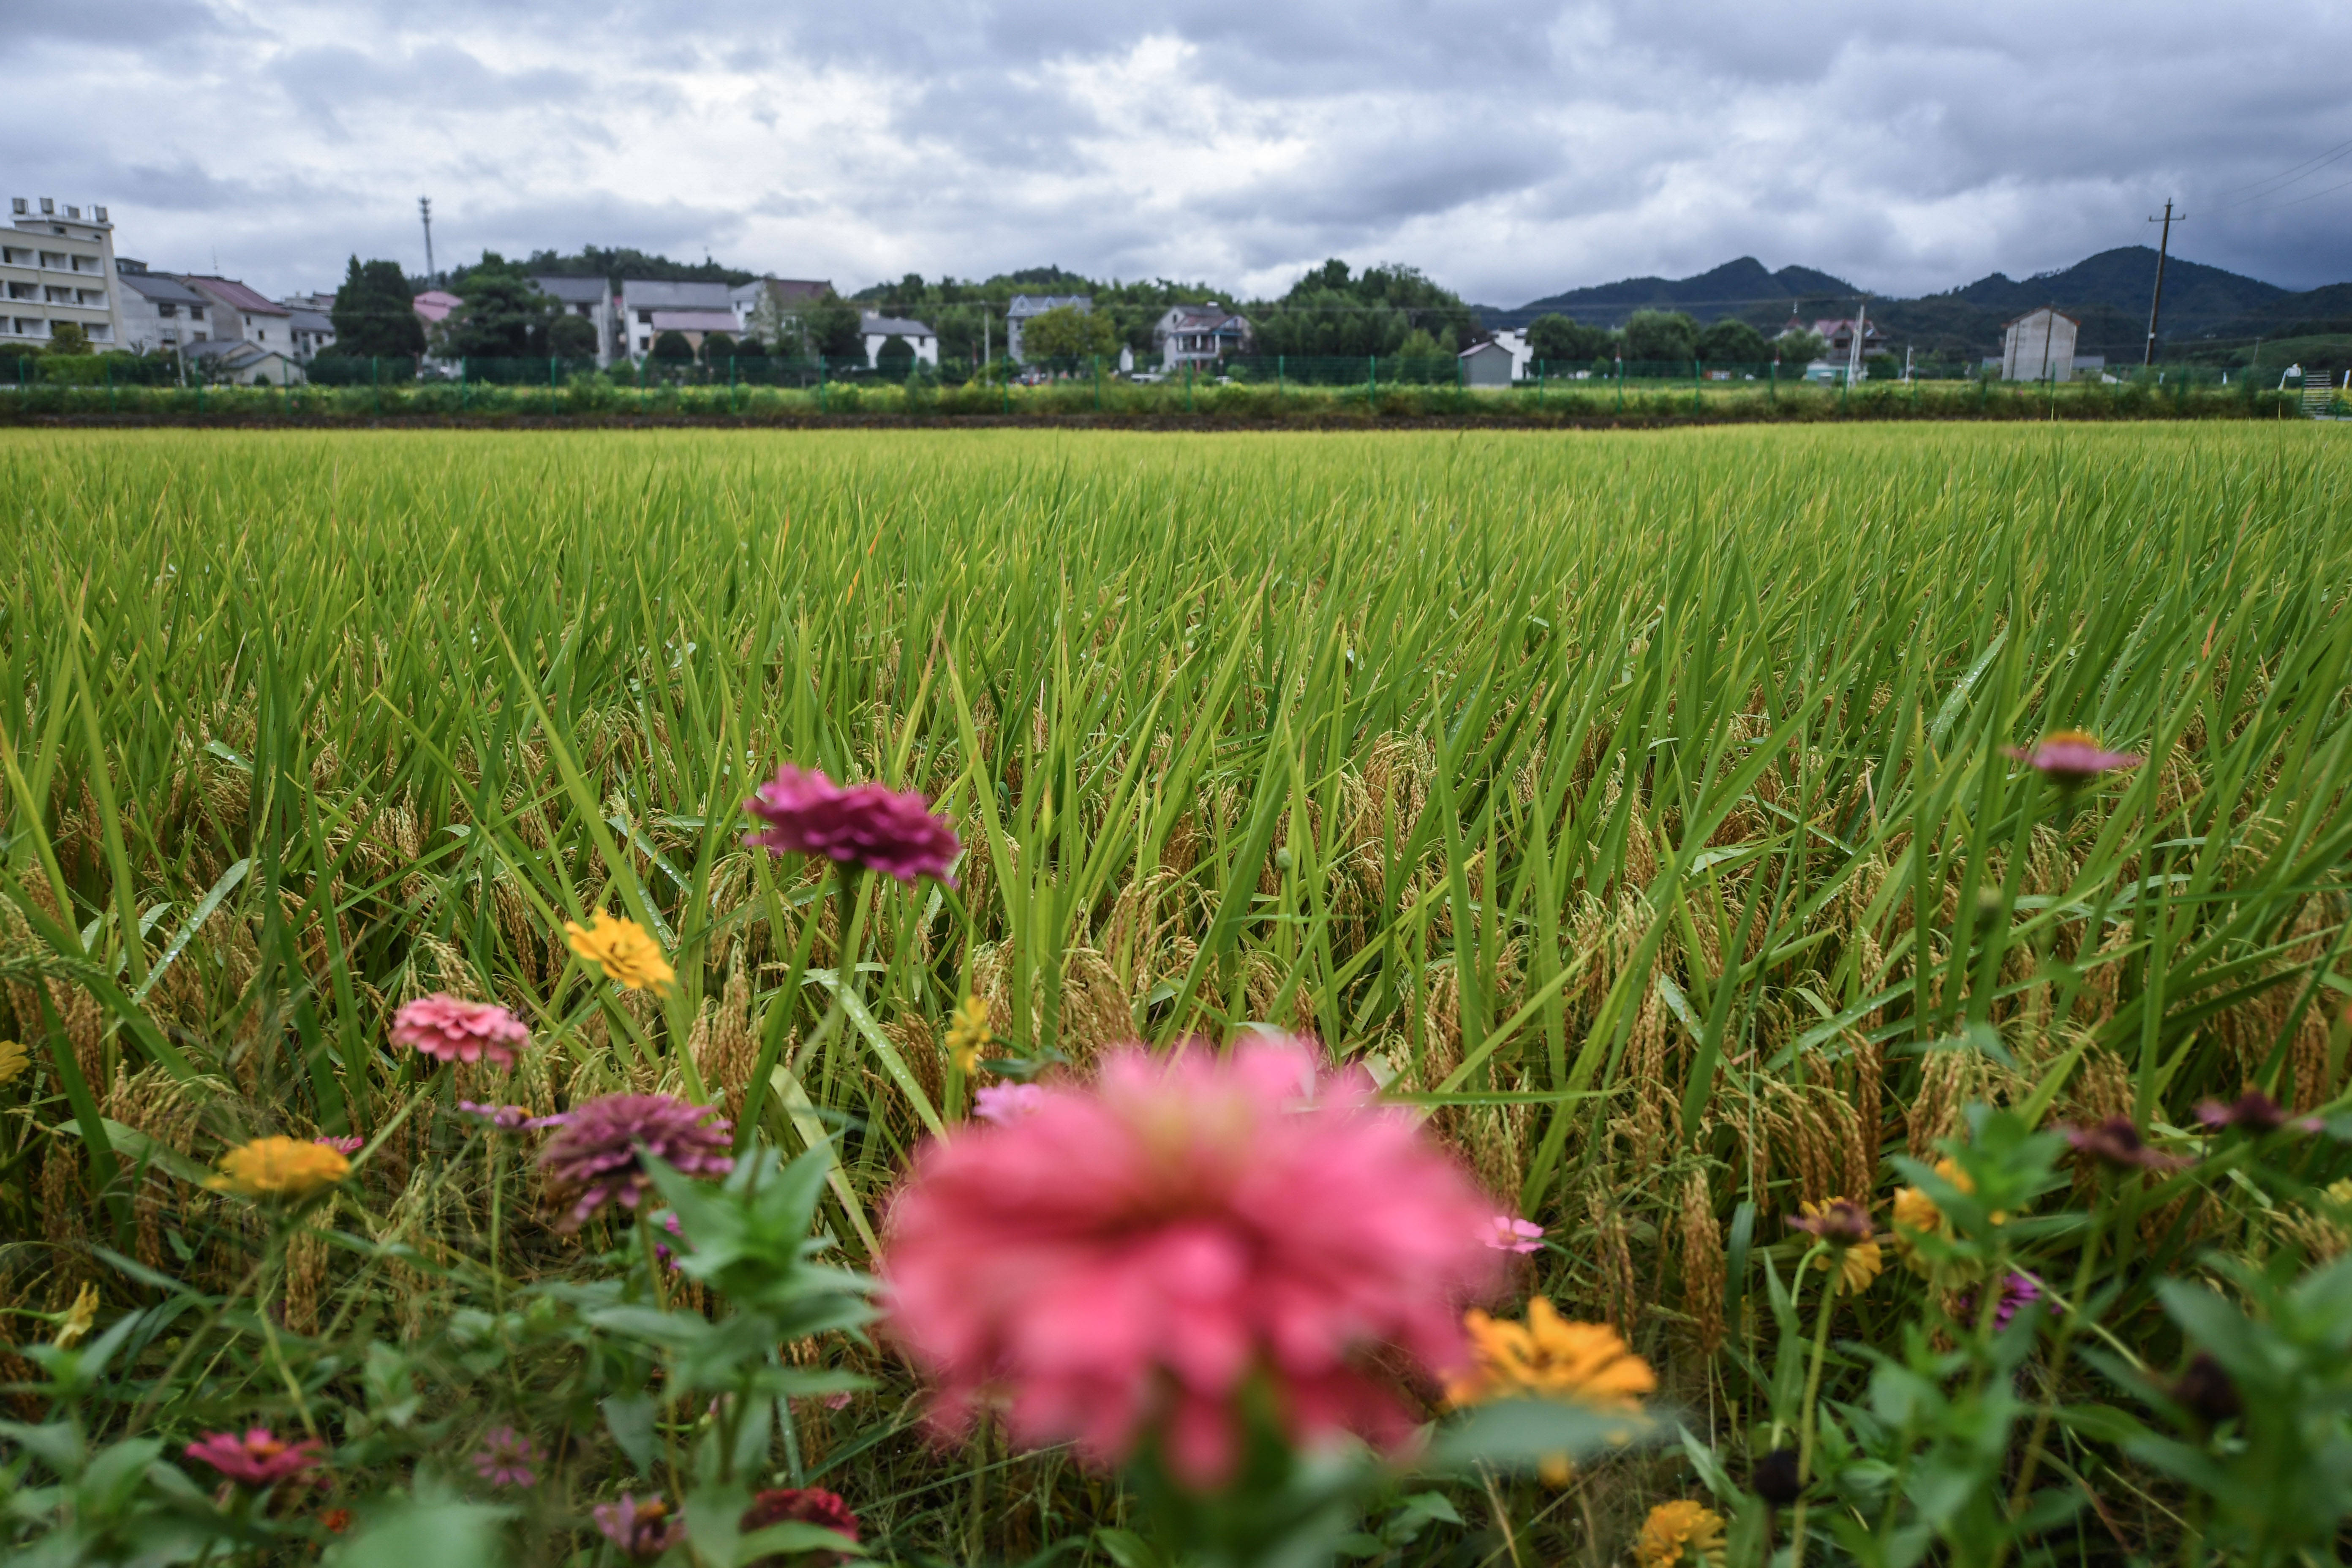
(1675, 1532)
(288, 1168)
(1548, 1357)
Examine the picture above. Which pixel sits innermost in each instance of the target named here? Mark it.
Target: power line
(2275, 207)
(2310, 165)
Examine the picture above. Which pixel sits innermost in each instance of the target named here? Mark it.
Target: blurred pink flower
(1003, 1103)
(2253, 1111)
(257, 1459)
(1123, 1258)
(1510, 1232)
(346, 1147)
(594, 1161)
(866, 824)
(453, 1030)
(506, 1459)
(799, 1505)
(510, 1117)
(641, 1529)
(2070, 758)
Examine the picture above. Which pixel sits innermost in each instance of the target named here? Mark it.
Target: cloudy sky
(1509, 149)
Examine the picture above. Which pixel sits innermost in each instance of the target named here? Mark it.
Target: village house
(1027, 308)
(1199, 334)
(876, 328)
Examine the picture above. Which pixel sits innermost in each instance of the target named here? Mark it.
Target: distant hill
(2107, 293)
(1742, 288)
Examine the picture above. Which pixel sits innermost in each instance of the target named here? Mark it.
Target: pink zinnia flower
(641, 1529)
(865, 825)
(2070, 758)
(1510, 1232)
(506, 1459)
(257, 1459)
(346, 1147)
(1124, 1257)
(594, 1161)
(799, 1505)
(1006, 1102)
(453, 1030)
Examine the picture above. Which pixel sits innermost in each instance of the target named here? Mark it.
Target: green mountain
(1742, 288)
(2108, 294)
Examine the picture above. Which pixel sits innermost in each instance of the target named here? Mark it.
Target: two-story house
(1026, 306)
(160, 313)
(590, 298)
(1199, 334)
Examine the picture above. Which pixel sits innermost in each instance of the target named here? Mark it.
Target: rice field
(1637, 808)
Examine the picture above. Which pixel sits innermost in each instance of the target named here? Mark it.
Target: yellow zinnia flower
(1916, 1214)
(1859, 1262)
(1678, 1531)
(290, 1168)
(622, 949)
(14, 1060)
(80, 1319)
(1548, 1357)
(968, 1033)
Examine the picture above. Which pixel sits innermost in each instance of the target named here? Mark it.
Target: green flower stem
(1830, 1278)
(2023, 1490)
(782, 1006)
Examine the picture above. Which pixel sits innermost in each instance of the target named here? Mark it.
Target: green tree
(1329, 311)
(1661, 336)
(571, 337)
(832, 324)
(895, 360)
(1729, 340)
(672, 345)
(1067, 332)
(68, 338)
(1801, 347)
(505, 315)
(1561, 339)
(372, 314)
(719, 347)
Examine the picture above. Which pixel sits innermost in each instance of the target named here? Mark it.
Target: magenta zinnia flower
(453, 1030)
(2253, 1111)
(506, 1459)
(2070, 758)
(257, 1459)
(799, 1505)
(347, 1147)
(865, 825)
(641, 1529)
(1124, 1257)
(594, 1161)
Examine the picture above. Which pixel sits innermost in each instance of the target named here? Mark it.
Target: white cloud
(1509, 149)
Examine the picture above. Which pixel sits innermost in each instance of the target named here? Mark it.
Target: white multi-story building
(160, 313)
(56, 265)
(649, 309)
(591, 298)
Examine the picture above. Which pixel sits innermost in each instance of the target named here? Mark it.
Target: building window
(196, 312)
(55, 260)
(167, 308)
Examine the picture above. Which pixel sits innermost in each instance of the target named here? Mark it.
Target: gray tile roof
(156, 287)
(574, 290)
(645, 294)
(1038, 304)
(313, 322)
(886, 326)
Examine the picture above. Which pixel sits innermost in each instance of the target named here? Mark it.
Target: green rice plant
(1638, 805)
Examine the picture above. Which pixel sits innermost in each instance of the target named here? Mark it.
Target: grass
(1637, 804)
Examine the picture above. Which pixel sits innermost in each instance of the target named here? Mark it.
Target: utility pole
(1853, 349)
(2156, 303)
(425, 206)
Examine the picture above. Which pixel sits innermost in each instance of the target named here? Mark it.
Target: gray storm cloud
(1508, 150)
